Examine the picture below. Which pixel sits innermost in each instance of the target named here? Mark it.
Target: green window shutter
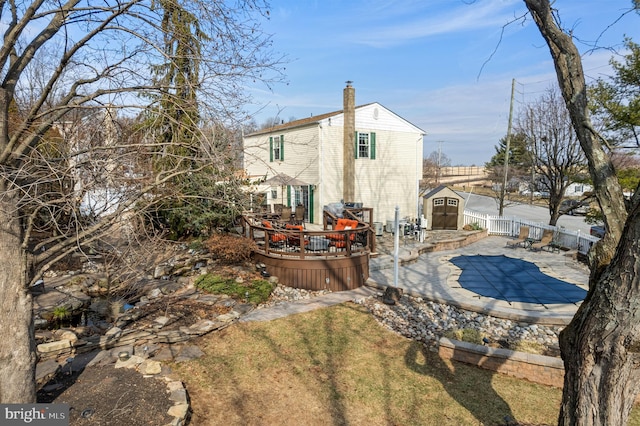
(355, 155)
(372, 146)
(281, 147)
(288, 195)
(270, 149)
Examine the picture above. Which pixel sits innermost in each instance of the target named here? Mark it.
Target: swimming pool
(513, 280)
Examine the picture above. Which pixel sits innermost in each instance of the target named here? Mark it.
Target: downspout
(320, 171)
(419, 162)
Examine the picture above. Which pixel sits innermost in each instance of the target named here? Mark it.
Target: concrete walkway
(432, 277)
(300, 306)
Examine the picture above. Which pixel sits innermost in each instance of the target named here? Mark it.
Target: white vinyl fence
(510, 226)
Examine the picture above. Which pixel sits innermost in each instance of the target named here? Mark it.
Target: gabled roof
(439, 189)
(299, 123)
(313, 120)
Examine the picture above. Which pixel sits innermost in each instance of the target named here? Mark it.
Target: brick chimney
(349, 131)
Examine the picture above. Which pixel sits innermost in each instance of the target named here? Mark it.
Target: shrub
(469, 335)
(256, 292)
(528, 347)
(61, 313)
(205, 204)
(196, 245)
(472, 227)
(230, 249)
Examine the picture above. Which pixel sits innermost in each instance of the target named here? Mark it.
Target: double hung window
(276, 148)
(365, 145)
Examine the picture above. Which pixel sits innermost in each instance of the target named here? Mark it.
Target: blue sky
(443, 65)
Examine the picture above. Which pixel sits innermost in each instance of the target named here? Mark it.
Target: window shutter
(372, 146)
(270, 149)
(289, 195)
(355, 155)
(281, 147)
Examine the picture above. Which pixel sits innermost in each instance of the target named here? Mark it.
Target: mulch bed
(104, 396)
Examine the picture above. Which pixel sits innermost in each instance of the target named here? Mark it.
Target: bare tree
(558, 159)
(432, 169)
(601, 346)
(66, 68)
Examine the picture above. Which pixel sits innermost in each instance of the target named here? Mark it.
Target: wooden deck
(327, 259)
(318, 273)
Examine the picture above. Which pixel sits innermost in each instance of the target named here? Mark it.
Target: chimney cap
(349, 83)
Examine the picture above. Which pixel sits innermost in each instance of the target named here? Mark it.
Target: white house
(577, 189)
(365, 154)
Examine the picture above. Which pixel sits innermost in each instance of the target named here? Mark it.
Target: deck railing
(510, 226)
(287, 241)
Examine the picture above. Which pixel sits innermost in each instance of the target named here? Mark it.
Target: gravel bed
(426, 321)
(282, 294)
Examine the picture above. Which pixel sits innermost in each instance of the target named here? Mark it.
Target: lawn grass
(339, 366)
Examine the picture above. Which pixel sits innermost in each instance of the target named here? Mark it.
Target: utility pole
(439, 162)
(506, 152)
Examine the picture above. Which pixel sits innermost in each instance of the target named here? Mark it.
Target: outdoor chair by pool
(523, 236)
(547, 238)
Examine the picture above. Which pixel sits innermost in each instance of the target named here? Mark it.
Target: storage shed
(444, 209)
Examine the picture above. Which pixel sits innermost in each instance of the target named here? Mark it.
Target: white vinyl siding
(314, 154)
(391, 179)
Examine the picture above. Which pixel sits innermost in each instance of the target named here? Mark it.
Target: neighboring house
(382, 170)
(577, 189)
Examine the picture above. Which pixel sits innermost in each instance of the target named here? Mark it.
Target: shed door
(445, 213)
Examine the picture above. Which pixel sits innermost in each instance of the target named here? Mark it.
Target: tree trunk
(600, 346)
(554, 208)
(17, 351)
(574, 91)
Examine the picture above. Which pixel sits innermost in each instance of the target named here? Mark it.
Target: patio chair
(285, 216)
(299, 217)
(274, 238)
(523, 236)
(294, 239)
(338, 240)
(547, 238)
(555, 245)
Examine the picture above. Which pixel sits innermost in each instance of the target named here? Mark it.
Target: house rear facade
(365, 154)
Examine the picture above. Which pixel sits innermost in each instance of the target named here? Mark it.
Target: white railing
(510, 226)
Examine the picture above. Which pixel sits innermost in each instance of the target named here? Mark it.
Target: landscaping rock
(188, 353)
(392, 295)
(150, 368)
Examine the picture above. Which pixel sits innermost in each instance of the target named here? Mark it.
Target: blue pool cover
(514, 280)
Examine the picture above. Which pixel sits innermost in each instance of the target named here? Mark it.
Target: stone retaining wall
(534, 368)
(470, 237)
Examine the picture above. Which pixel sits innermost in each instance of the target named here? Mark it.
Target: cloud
(433, 20)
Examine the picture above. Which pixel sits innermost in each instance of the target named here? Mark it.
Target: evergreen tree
(615, 102)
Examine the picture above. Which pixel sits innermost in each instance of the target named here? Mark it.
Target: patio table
(528, 242)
